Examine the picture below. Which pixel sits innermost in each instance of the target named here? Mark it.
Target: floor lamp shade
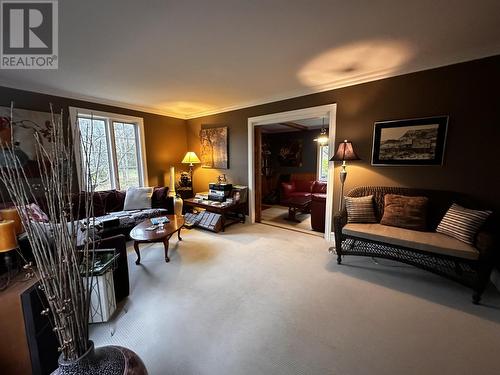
(345, 151)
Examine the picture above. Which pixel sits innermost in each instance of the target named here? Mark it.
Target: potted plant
(62, 248)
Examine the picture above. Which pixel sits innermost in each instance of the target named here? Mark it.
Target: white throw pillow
(138, 198)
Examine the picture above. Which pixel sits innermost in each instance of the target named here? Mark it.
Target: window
(114, 147)
(323, 160)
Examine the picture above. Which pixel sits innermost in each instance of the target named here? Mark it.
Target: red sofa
(314, 189)
(302, 188)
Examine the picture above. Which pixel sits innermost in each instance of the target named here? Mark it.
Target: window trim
(110, 118)
(318, 162)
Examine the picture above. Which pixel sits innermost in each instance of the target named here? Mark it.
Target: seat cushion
(318, 197)
(299, 194)
(431, 242)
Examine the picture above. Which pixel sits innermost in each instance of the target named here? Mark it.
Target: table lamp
(191, 158)
(344, 152)
(8, 242)
(12, 214)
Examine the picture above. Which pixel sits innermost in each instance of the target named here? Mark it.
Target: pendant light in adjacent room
(323, 136)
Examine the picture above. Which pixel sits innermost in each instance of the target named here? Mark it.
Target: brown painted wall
(165, 136)
(468, 92)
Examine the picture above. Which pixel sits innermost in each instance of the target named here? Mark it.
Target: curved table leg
(165, 244)
(136, 248)
(179, 234)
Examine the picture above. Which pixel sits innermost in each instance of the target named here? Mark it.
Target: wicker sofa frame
(474, 274)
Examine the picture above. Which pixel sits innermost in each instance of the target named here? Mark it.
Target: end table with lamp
(185, 189)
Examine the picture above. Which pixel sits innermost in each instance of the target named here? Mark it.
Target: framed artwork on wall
(290, 154)
(214, 148)
(410, 142)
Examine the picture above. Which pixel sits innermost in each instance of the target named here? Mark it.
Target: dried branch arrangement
(61, 245)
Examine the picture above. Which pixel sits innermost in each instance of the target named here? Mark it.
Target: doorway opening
(290, 175)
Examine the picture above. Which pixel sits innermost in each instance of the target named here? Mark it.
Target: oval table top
(139, 232)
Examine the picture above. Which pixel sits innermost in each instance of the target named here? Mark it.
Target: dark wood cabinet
(28, 345)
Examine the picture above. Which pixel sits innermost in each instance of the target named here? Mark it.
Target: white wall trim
(330, 111)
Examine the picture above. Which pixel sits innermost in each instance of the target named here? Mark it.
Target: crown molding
(90, 99)
(337, 85)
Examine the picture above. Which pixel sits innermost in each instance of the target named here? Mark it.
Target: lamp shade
(12, 214)
(8, 240)
(345, 151)
(190, 158)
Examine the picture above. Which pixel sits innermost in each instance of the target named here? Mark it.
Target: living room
(409, 294)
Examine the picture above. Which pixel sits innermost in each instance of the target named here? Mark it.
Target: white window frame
(318, 158)
(109, 118)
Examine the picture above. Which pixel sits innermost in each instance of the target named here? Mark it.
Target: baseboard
(495, 278)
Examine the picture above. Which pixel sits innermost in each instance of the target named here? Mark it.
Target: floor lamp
(344, 152)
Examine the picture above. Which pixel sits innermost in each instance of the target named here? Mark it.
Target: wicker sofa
(435, 252)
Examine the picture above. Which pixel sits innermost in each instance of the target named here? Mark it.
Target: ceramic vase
(178, 203)
(105, 360)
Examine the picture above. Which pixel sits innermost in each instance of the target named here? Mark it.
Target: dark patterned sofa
(109, 213)
(434, 252)
(114, 225)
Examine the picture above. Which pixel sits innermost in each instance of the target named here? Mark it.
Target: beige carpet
(262, 300)
(276, 215)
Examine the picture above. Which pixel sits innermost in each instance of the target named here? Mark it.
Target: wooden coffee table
(140, 235)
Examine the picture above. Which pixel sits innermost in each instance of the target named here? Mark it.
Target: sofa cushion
(431, 242)
(160, 197)
(33, 212)
(462, 223)
(286, 189)
(113, 200)
(303, 185)
(138, 198)
(319, 187)
(405, 212)
(360, 210)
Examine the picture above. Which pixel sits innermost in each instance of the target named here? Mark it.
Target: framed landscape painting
(410, 142)
(214, 148)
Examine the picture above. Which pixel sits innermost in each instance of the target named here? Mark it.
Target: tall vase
(178, 203)
(109, 360)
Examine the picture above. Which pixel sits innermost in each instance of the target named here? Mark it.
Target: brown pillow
(405, 212)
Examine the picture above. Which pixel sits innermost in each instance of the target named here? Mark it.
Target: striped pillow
(462, 223)
(360, 210)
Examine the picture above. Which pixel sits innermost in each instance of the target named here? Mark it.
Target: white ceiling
(189, 58)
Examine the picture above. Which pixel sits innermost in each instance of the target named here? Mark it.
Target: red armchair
(314, 189)
(301, 188)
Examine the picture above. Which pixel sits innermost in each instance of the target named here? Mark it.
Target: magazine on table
(160, 220)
